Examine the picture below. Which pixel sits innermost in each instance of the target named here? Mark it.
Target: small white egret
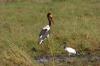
(70, 50)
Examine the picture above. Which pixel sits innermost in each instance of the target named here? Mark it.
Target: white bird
(45, 30)
(70, 50)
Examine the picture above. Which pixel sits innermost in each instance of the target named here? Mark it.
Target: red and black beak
(50, 18)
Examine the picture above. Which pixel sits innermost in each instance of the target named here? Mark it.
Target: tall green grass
(76, 22)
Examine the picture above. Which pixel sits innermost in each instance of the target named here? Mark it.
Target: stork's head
(49, 15)
(50, 18)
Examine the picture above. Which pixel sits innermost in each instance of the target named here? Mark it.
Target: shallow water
(59, 59)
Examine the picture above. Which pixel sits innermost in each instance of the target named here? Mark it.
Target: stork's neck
(49, 20)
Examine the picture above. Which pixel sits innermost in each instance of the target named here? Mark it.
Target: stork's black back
(44, 33)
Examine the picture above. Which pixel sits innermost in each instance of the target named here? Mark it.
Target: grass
(76, 22)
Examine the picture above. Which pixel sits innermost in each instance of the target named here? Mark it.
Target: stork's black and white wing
(44, 34)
